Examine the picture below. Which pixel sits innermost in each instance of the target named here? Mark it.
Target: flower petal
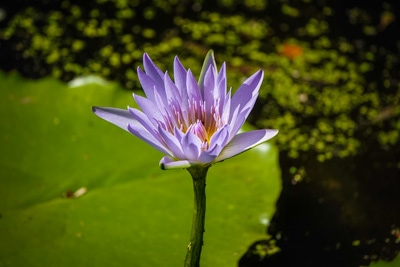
(172, 142)
(179, 74)
(232, 122)
(238, 122)
(217, 143)
(167, 163)
(209, 60)
(221, 81)
(148, 107)
(191, 146)
(247, 91)
(171, 113)
(147, 124)
(244, 141)
(225, 108)
(152, 70)
(192, 87)
(219, 139)
(210, 93)
(142, 133)
(119, 117)
(171, 91)
(148, 84)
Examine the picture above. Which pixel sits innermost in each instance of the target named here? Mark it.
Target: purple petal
(148, 84)
(119, 117)
(191, 146)
(142, 133)
(217, 143)
(209, 94)
(208, 61)
(221, 81)
(179, 74)
(160, 101)
(247, 91)
(210, 85)
(152, 70)
(250, 105)
(178, 135)
(232, 122)
(225, 108)
(206, 158)
(148, 107)
(171, 91)
(220, 138)
(239, 121)
(244, 141)
(192, 87)
(167, 163)
(172, 142)
(146, 123)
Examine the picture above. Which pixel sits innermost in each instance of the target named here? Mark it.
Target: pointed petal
(209, 93)
(167, 163)
(191, 146)
(221, 80)
(146, 123)
(220, 138)
(152, 70)
(217, 143)
(220, 89)
(232, 122)
(239, 121)
(247, 91)
(210, 84)
(161, 101)
(244, 141)
(179, 74)
(172, 142)
(171, 91)
(148, 107)
(192, 87)
(225, 108)
(142, 133)
(148, 84)
(119, 117)
(208, 61)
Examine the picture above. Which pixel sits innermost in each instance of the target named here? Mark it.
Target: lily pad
(128, 211)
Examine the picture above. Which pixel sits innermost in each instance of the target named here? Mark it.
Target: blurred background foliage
(331, 83)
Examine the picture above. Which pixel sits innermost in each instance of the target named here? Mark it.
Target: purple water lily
(192, 123)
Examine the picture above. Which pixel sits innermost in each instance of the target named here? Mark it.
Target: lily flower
(194, 123)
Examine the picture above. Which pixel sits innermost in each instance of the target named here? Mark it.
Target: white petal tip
(167, 163)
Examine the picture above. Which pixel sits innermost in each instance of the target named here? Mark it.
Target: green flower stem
(199, 213)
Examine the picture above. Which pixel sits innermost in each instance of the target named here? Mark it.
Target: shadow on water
(342, 212)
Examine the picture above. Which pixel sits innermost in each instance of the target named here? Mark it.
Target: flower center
(200, 131)
(201, 119)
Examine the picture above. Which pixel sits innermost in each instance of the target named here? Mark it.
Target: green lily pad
(132, 213)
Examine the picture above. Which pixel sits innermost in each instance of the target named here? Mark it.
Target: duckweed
(323, 91)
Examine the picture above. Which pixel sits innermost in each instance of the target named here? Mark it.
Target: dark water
(339, 213)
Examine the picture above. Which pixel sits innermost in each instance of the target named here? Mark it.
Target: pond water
(342, 212)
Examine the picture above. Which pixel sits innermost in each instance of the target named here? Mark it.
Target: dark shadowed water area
(336, 213)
